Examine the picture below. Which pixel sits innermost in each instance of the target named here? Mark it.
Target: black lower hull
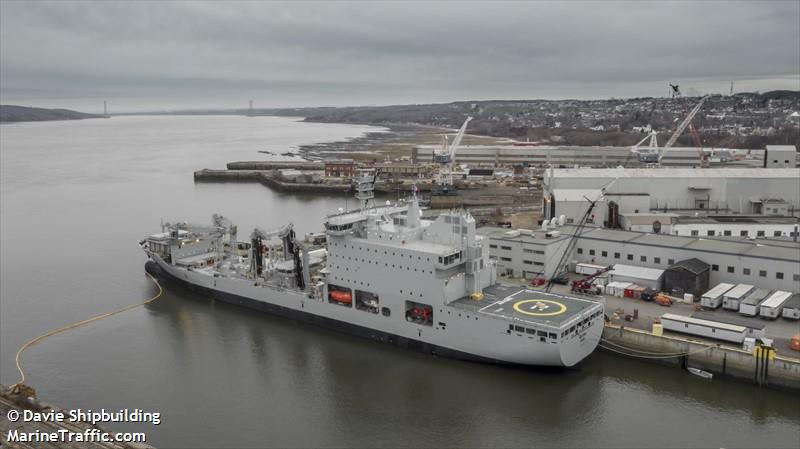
(336, 325)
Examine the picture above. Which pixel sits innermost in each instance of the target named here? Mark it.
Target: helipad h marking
(561, 307)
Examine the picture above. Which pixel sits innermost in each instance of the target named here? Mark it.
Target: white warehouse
(764, 263)
(687, 191)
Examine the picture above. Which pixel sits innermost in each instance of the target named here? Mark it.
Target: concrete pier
(275, 165)
(268, 178)
(777, 371)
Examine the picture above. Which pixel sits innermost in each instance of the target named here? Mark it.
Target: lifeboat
(340, 296)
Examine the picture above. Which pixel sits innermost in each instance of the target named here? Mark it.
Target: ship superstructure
(385, 273)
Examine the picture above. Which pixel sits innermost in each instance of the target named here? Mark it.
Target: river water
(75, 198)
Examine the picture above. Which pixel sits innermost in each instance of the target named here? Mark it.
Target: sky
(179, 54)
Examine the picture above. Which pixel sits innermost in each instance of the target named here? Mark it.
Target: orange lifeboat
(340, 296)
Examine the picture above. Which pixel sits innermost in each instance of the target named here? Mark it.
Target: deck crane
(687, 122)
(290, 250)
(446, 159)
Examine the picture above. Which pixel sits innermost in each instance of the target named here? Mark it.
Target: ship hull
(340, 326)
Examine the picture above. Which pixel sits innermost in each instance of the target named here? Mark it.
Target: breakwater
(269, 179)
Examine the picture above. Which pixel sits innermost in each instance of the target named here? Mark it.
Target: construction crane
(652, 148)
(560, 272)
(446, 159)
(687, 122)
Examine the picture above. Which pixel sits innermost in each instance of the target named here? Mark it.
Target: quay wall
(780, 372)
(266, 177)
(275, 165)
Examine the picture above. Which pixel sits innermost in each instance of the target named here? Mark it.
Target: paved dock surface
(781, 329)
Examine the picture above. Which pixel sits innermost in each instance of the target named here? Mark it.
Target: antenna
(731, 88)
(105, 109)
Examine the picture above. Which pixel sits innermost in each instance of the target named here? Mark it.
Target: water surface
(77, 196)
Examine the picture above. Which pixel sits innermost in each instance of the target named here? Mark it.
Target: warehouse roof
(580, 195)
(763, 248)
(663, 240)
(728, 319)
(535, 236)
(631, 271)
(781, 148)
(668, 172)
(611, 234)
(734, 219)
(649, 218)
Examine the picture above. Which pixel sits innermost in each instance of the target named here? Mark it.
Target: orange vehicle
(795, 342)
(663, 300)
(340, 296)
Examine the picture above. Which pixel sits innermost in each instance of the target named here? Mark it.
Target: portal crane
(446, 159)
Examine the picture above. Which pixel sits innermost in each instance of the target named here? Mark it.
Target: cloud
(170, 54)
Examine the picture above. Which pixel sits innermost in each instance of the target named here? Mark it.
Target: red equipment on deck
(585, 285)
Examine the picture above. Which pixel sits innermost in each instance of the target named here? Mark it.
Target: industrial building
(646, 277)
(397, 170)
(780, 156)
(748, 226)
(535, 253)
(569, 156)
(684, 191)
(340, 168)
(689, 276)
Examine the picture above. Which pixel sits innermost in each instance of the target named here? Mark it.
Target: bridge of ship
(521, 305)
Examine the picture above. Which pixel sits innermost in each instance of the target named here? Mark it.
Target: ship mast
(364, 185)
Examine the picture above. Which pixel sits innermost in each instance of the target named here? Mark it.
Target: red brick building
(340, 168)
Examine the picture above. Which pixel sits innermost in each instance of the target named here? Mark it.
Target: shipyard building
(683, 191)
(771, 264)
(570, 155)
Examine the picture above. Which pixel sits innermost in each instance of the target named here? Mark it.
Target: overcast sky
(168, 55)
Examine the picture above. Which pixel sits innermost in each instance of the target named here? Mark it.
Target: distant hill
(11, 113)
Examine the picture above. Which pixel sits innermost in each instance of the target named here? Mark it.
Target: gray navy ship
(385, 273)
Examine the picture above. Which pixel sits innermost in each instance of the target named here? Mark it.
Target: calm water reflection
(77, 196)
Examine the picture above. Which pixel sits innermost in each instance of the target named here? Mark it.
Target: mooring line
(33, 341)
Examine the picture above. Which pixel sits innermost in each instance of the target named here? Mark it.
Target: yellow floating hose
(33, 341)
